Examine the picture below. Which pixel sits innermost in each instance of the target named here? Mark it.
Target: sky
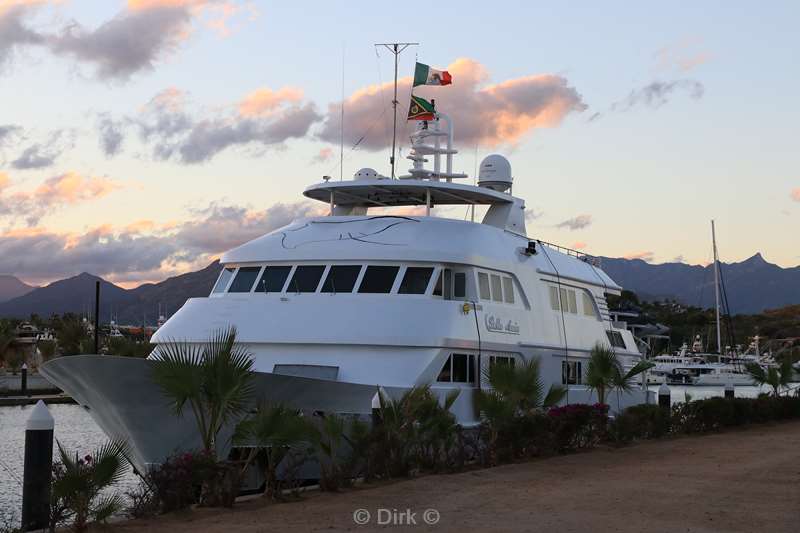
(140, 139)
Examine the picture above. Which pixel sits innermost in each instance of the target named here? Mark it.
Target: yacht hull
(126, 404)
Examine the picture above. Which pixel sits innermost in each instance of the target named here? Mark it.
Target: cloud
(132, 41)
(143, 250)
(576, 223)
(532, 214)
(657, 93)
(644, 256)
(580, 245)
(795, 194)
(264, 101)
(111, 134)
(683, 56)
(323, 156)
(44, 154)
(484, 114)
(678, 259)
(53, 194)
(8, 131)
(175, 131)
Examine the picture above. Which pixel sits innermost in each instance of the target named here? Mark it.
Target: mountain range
(751, 286)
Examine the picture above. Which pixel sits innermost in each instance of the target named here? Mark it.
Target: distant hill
(752, 285)
(11, 287)
(129, 306)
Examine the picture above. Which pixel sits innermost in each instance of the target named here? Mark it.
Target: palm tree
(623, 382)
(275, 429)
(78, 483)
(604, 373)
(520, 387)
(776, 377)
(215, 379)
(516, 392)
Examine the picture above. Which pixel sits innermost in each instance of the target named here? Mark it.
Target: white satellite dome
(495, 173)
(365, 174)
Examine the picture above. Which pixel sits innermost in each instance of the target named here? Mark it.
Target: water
(74, 428)
(682, 393)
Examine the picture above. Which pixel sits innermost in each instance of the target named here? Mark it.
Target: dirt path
(737, 481)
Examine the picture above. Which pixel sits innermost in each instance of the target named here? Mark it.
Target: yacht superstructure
(335, 306)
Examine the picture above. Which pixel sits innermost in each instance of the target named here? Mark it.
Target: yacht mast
(716, 285)
(396, 49)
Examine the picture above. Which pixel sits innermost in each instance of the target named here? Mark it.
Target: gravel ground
(746, 480)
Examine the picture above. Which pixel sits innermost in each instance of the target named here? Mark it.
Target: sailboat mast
(716, 285)
(396, 49)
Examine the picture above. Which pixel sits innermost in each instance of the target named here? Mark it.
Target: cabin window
(437, 288)
(341, 278)
(615, 338)
(483, 284)
(573, 302)
(508, 290)
(460, 285)
(415, 280)
(459, 368)
(244, 280)
(588, 305)
(497, 288)
(448, 284)
(571, 373)
(273, 279)
(306, 278)
(224, 277)
(554, 298)
(378, 279)
(501, 360)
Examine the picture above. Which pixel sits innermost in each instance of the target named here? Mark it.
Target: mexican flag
(425, 75)
(420, 109)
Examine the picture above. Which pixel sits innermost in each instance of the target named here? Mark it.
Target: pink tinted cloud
(795, 194)
(646, 256)
(483, 113)
(264, 101)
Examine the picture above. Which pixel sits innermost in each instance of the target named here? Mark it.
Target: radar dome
(365, 174)
(495, 173)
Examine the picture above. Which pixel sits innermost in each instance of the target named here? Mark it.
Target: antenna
(341, 126)
(396, 49)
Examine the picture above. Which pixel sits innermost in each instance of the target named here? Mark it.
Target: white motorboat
(333, 307)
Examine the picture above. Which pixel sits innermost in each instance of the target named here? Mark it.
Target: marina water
(74, 428)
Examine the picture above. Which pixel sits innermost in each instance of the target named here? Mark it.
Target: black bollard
(730, 391)
(37, 469)
(376, 410)
(24, 380)
(664, 396)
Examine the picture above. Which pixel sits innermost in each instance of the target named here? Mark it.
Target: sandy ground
(745, 480)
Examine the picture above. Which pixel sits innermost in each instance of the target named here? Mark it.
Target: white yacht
(333, 307)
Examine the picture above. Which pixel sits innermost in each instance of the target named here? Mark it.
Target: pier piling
(730, 391)
(24, 380)
(664, 400)
(37, 469)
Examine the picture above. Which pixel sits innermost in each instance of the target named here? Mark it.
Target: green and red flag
(425, 75)
(420, 109)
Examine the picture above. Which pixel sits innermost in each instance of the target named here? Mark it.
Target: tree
(604, 373)
(273, 429)
(78, 484)
(215, 379)
(776, 377)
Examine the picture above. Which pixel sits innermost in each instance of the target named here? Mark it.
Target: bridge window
(483, 283)
(459, 285)
(273, 279)
(501, 360)
(222, 282)
(588, 305)
(341, 278)
(554, 305)
(615, 338)
(378, 279)
(415, 280)
(437, 288)
(244, 280)
(306, 278)
(508, 290)
(497, 288)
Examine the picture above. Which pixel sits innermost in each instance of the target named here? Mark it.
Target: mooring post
(376, 409)
(24, 379)
(730, 390)
(37, 469)
(664, 396)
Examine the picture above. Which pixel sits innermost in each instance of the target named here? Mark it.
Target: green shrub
(578, 425)
(645, 421)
